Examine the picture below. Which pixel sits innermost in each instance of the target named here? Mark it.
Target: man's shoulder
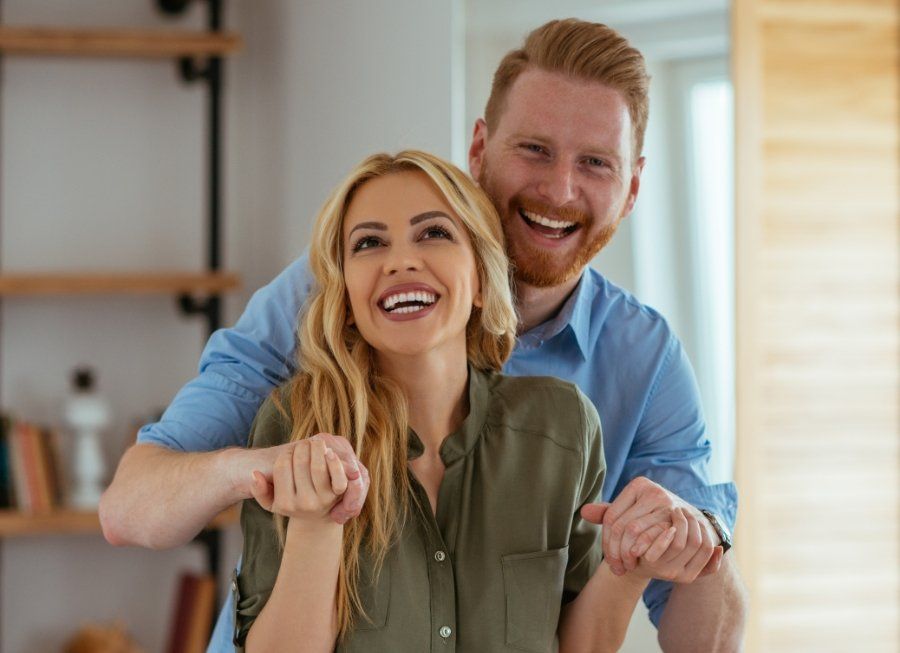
(620, 323)
(543, 405)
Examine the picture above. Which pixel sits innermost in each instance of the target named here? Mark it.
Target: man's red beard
(536, 266)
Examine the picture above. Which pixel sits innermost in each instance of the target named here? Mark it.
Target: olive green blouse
(507, 547)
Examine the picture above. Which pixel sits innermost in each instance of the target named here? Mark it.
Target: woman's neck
(436, 388)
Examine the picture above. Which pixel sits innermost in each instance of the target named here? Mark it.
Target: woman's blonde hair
(338, 389)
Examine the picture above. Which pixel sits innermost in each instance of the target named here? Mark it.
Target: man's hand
(262, 488)
(636, 519)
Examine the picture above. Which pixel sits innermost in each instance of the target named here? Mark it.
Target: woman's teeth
(409, 302)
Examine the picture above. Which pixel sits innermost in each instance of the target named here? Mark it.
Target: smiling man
(559, 153)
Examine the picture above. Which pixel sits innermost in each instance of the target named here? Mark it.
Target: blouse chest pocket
(533, 583)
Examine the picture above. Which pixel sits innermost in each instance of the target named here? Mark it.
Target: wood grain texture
(117, 283)
(14, 523)
(115, 42)
(818, 293)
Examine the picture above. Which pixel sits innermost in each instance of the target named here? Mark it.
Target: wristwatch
(720, 528)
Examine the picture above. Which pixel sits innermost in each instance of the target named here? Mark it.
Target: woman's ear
(349, 321)
(477, 301)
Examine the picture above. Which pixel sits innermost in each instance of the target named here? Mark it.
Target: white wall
(101, 167)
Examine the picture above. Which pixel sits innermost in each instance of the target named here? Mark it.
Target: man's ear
(476, 150)
(634, 186)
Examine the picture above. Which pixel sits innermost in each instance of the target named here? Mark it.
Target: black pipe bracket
(190, 305)
(192, 71)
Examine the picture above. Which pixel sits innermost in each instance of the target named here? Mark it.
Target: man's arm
(161, 498)
(671, 450)
(714, 605)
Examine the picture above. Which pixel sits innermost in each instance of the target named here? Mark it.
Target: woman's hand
(308, 479)
(263, 490)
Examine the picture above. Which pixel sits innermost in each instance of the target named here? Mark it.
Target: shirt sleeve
(671, 448)
(239, 367)
(261, 552)
(585, 550)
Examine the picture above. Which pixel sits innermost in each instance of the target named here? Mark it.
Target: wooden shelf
(116, 42)
(72, 522)
(117, 283)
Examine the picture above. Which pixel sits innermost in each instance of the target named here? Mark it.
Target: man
(559, 153)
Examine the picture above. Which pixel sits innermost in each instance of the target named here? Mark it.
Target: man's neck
(436, 388)
(537, 305)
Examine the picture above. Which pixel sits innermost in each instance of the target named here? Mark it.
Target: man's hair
(583, 50)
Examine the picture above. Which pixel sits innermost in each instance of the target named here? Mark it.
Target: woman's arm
(300, 612)
(597, 620)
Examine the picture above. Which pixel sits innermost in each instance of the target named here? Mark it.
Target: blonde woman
(470, 539)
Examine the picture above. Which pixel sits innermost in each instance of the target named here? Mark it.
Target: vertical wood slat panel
(818, 292)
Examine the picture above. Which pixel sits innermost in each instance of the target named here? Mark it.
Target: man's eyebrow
(589, 149)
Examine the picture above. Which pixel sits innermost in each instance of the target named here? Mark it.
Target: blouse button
(445, 631)
(440, 556)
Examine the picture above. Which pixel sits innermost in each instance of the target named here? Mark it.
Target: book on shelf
(30, 467)
(194, 609)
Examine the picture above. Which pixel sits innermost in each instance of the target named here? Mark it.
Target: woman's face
(409, 267)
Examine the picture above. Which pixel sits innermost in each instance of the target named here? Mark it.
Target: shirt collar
(574, 314)
(464, 438)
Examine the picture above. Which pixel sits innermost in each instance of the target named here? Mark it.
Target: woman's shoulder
(552, 406)
(272, 424)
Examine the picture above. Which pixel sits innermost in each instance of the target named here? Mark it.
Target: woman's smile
(408, 301)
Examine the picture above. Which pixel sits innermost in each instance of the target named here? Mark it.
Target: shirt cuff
(720, 499)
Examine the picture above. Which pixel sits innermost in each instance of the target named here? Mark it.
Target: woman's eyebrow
(416, 219)
(380, 226)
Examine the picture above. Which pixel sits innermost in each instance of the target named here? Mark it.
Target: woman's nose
(402, 258)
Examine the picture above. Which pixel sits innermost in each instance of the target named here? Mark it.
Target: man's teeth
(547, 222)
(423, 298)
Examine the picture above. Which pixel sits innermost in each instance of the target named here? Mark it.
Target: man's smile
(548, 227)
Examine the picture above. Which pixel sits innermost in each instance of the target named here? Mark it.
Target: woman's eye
(366, 242)
(436, 232)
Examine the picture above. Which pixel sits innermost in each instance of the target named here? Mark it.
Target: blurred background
(783, 286)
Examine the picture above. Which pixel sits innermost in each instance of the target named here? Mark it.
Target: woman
(470, 535)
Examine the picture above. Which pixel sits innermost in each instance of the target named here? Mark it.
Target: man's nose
(559, 184)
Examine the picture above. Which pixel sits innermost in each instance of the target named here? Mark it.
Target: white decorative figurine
(87, 414)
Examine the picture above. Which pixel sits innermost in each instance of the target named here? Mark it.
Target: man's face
(559, 169)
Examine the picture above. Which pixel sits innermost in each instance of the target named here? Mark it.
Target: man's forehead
(553, 106)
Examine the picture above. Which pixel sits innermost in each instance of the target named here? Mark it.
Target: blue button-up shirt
(621, 354)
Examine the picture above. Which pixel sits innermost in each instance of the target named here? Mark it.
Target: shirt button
(440, 556)
(445, 631)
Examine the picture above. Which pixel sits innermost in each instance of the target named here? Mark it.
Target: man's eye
(533, 147)
(436, 232)
(596, 163)
(366, 242)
